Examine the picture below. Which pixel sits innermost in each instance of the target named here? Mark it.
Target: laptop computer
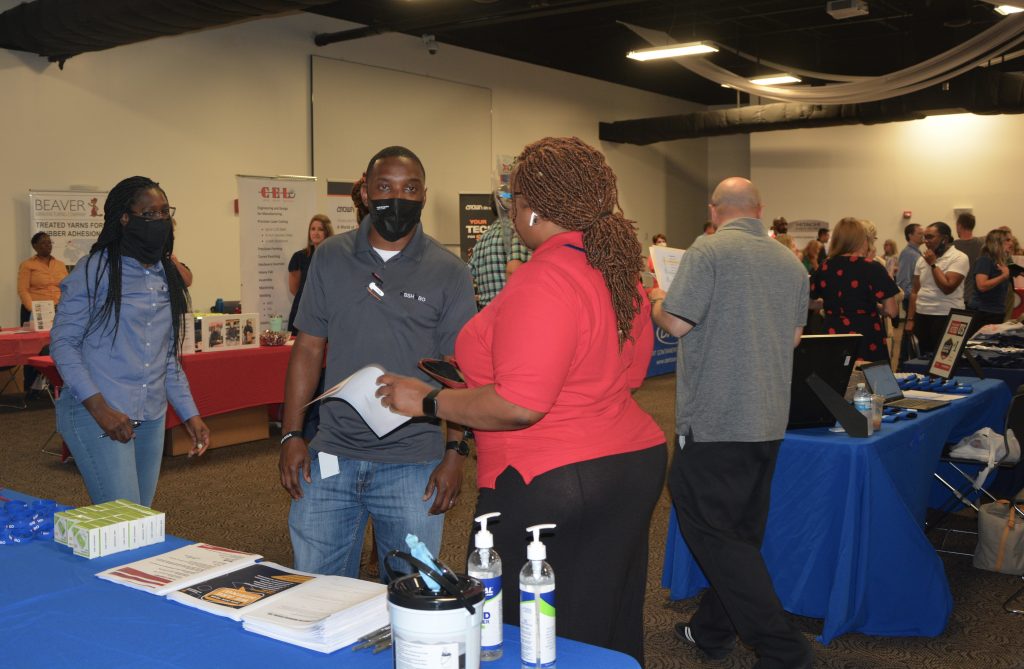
(882, 381)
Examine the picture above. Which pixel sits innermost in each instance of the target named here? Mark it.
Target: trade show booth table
(54, 612)
(16, 346)
(845, 538)
(1013, 377)
(231, 390)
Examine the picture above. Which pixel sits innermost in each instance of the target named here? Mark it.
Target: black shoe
(685, 634)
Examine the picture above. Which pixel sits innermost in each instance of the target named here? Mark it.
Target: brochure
(358, 390)
(239, 592)
(666, 262)
(167, 572)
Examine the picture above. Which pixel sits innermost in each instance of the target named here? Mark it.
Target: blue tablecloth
(845, 538)
(55, 613)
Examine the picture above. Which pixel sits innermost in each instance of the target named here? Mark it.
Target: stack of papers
(323, 614)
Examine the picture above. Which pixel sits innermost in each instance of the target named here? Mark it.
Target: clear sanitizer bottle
(485, 566)
(537, 606)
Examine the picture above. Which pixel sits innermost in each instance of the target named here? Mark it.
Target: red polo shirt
(548, 342)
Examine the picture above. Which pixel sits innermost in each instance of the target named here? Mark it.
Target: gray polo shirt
(745, 294)
(428, 297)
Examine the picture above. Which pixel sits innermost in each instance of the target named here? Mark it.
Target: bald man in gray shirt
(738, 303)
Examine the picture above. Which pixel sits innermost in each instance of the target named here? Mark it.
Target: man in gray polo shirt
(738, 303)
(388, 294)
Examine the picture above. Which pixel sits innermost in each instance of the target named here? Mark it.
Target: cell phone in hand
(444, 372)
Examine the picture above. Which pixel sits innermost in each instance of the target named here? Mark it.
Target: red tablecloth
(15, 349)
(222, 381)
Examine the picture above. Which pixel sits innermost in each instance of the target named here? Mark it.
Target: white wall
(194, 110)
(928, 167)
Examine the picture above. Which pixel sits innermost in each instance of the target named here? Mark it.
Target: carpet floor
(232, 497)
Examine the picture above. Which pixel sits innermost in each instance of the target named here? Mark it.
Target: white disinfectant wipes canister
(435, 630)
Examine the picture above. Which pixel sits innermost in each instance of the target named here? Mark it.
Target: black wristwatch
(291, 435)
(460, 447)
(430, 403)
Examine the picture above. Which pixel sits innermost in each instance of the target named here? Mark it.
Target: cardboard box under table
(231, 390)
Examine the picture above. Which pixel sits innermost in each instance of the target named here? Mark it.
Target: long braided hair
(569, 183)
(119, 202)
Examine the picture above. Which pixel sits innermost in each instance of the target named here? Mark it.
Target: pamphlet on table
(180, 568)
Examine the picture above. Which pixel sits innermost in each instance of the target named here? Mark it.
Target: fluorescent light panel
(671, 51)
(1008, 9)
(775, 79)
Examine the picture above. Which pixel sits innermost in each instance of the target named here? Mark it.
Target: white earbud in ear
(533, 219)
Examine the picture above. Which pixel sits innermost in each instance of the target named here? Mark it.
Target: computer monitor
(831, 357)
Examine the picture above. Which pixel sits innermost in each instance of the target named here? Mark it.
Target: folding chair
(970, 490)
(48, 369)
(1014, 607)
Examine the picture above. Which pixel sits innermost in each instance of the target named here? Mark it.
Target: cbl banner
(72, 219)
(475, 214)
(273, 222)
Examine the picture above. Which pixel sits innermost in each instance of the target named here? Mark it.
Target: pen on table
(383, 645)
(373, 638)
(135, 424)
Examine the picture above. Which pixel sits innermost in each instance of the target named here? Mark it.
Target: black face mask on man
(395, 217)
(145, 239)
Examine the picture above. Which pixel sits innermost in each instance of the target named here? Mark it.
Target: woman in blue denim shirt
(116, 342)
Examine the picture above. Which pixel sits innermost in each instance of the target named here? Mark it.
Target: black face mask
(394, 218)
(145, 240)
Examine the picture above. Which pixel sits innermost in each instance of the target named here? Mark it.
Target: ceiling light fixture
(1006, 10)
(775, 80)
(671, 51)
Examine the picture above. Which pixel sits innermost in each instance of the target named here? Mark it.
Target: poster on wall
(804, 230)
(339, 207)
(72, 219)
(475, 214)
(273, 220)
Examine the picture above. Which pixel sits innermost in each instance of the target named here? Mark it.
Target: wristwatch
(460, 447)
(291, 435)
(430, 403)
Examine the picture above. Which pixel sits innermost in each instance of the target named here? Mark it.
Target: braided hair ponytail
(119, 202)
(569, 183)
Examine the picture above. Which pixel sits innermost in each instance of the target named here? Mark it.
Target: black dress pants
(721, 492)
(929, 331)
(598, 551)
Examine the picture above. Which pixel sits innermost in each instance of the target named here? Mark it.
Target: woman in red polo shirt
(551, 363)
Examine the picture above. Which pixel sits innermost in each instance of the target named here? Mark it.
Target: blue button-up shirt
(137, 372)
(905, 273)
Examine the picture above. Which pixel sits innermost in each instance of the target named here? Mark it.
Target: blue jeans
(327, 525)
(112, 470)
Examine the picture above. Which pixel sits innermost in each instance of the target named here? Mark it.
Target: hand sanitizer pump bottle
(537, 606)
(485, 566)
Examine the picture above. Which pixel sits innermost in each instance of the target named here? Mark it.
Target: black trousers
(929, 332)
(598, 551)
(721, 492)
